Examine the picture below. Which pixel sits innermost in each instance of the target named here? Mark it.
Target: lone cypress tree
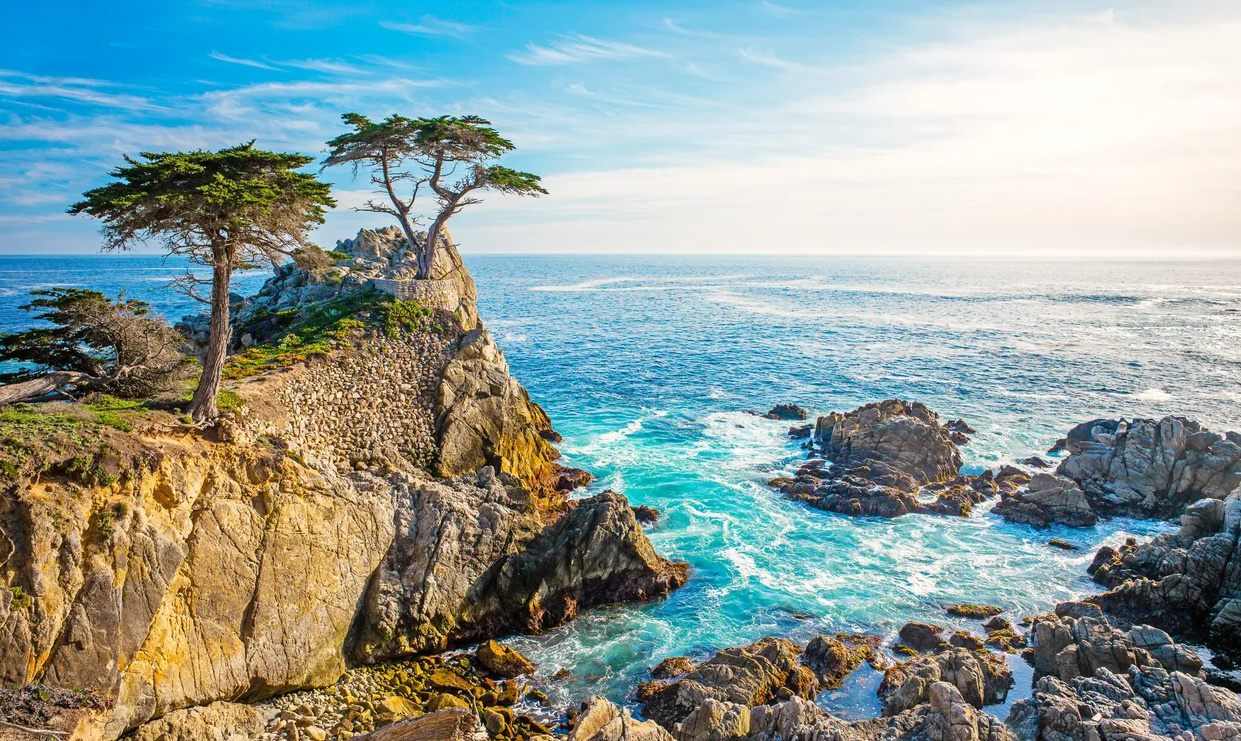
(230, 210)
(454, 158)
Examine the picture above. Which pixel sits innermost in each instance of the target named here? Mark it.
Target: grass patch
(21, 600)
(315, 331)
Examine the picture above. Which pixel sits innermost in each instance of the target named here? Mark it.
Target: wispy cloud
(238, 60)
(429, 25)
(80, 90)
(578, 48)
(332, 66)
(770, 59)
(675, 27)
(779, 11)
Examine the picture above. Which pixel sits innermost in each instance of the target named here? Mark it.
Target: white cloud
(577, 48)
(1082, 135)
(238, 60)
(76, 89)
(429, 25)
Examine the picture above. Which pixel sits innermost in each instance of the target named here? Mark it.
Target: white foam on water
(1153, 394)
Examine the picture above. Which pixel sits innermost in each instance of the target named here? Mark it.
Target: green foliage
(407, 315)
(118, 344)
(197, 203)
(21, 600)
(230, 209)
(316, 331)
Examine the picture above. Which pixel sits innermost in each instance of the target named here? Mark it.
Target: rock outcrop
(885, 460)
(308, 528)
(747, 676)
(1188, 582)
(981, 679)
(1150, 468)
(1045, 501)
(905, 436)
(473, 560)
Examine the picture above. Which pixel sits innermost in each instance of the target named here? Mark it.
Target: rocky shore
(337, 557)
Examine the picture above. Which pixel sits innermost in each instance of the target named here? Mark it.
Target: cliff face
(392, 494)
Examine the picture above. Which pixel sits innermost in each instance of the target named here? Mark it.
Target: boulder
(922, 636)
(600, 720)
(786, 412)
(1045, 501)
(503, 661)
(672, 667)
(906, 436)
(832, 660)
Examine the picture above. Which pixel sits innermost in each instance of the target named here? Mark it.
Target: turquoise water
(647, 366)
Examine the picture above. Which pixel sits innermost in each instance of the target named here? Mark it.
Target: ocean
(648, 365)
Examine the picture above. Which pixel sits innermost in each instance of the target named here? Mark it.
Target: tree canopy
(230, 209)
(450, 156)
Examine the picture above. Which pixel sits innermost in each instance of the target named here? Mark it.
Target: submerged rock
(786, 412)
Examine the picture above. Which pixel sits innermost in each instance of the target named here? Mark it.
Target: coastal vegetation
(428, 152)
(228, 210)
(93, 344)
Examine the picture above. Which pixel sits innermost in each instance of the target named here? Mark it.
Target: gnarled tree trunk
(37, 388)
(203, 406)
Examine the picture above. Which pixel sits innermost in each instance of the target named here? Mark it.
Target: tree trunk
(37, 388)
(426, 256)
(203, 405)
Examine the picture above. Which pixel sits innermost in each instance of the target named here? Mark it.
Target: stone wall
(431, 294)
(373, 406)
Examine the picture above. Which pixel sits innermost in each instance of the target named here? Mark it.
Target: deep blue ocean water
(647, 365)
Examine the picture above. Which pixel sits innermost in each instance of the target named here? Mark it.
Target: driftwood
(44, 385)
(455, 724)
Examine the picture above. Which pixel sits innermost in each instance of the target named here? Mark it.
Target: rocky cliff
(381, 487)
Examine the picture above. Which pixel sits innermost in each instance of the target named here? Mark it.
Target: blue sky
(996, 128)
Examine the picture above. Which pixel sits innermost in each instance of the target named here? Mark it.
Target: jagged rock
(907, 436)
(1186, 582)
(886, 460)
(1062, 544)
(1150, 468)
(503, 661)
(600, 720)
(1034, 462)
(454, 724)
(219, 721)
(982, 678)
(1144, 703)
(715, 721)
(749, 676)
(485, 418)
(786, 412)
(474, 560)
(1047, 500)
(801, 432)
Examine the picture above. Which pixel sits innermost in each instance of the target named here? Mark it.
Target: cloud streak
(429, 25)
(577, 48)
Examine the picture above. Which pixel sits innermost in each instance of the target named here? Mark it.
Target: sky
(924, 127)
